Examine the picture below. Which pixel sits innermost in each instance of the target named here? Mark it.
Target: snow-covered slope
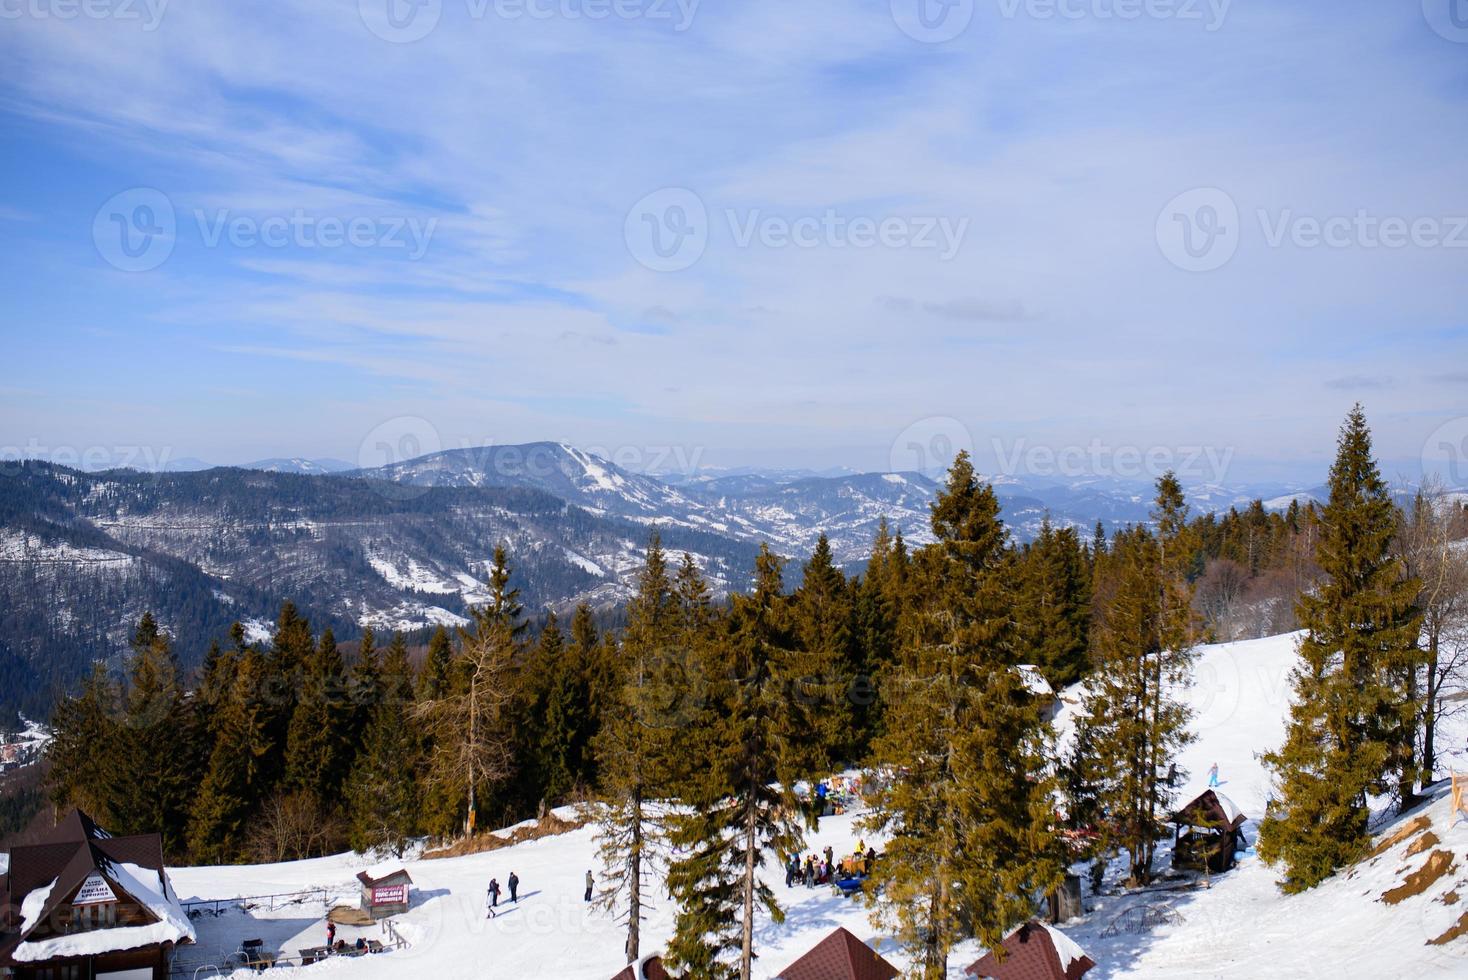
(1240, 927)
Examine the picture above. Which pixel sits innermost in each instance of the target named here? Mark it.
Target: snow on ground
(1240, 927)
(19, 546)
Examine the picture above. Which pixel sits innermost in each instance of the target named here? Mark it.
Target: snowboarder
(1213, 775)
(514, 888)
(590, 884)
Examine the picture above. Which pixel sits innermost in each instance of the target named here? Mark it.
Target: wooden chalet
(84, 905)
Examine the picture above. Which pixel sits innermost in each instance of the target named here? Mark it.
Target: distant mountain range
(405, 546)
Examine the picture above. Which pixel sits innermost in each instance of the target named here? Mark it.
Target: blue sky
(973, 226)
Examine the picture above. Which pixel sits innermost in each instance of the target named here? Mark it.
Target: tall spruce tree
(821, 620)
(558, 706)
(472, 733)
(382, 797)
(588, 656)
(967, 804)
(1055, 604)
(1143, 646)
(433, 680)
(753, 745)
(360, 687)
(157, 745)
(320, 740)
(640, 718)
(1351, 723)
(80, 767)
(242, 766)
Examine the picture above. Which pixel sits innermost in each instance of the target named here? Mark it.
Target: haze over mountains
(404, 546)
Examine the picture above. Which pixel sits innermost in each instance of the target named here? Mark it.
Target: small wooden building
(1210, 829)
(83, 904)
(384, 891)
(1034, 951)
(840, 956)
(649, 968)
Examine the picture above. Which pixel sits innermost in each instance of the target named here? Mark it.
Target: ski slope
(1240, 927)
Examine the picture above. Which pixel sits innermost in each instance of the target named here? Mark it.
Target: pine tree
(361, 687)
(752, 748)
(80, 754)
(284, 670)
(631, 746)
(382, 794)
(877, 599)
(241, 767)
(588, 656)
(157, 744)
(1055, 604)
(433, 680)
(967, 807)
(1352, 719)
(821, 615)
(1143, 641)
(319, 745)
(558, 706)
(472, 734)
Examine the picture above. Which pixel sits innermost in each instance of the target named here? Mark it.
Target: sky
(1109, 236)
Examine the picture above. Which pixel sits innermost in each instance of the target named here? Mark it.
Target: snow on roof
(96, 942)
(1230, 809)
(147, 887)
(1065, 947)
(33, 906)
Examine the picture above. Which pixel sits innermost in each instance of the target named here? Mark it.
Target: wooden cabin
(1210, 829)
(385, 892)
(82, 904)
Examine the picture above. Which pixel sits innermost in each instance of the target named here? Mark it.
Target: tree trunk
(1429, 713)
(634, 886)
(473, 734)
(746, 954)
(1407, 775)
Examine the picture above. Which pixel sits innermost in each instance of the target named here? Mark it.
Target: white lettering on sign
(390, 895)
(94, 891)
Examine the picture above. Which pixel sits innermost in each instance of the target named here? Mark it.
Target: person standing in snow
(590, 884)
(330, 932)
(494, 895)
(1213, 775)
(514, 888)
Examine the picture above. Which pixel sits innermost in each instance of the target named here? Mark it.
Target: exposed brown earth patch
(1438, 864)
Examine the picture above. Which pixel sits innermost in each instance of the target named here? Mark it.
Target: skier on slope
(492, 897)
(514, 888)
(590, 884)
(1213, 775)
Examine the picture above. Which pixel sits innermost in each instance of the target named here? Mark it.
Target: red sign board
(390, 895)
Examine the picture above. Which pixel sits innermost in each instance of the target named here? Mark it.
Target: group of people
(823, 869)
(492, 897)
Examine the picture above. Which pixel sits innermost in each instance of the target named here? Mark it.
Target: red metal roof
(1030, 955)
(840, 956)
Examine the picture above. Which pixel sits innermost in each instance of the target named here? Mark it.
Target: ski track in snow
(1241, 927)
